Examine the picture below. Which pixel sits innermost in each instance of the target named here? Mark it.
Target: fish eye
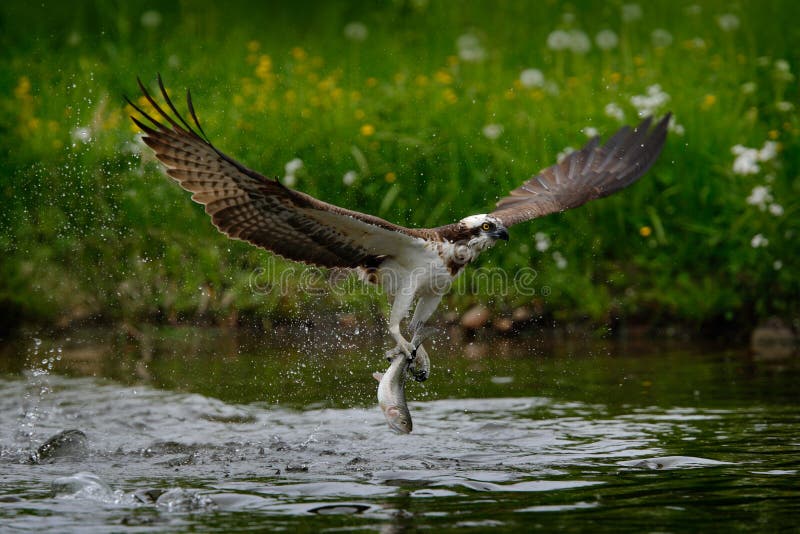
(486, 226)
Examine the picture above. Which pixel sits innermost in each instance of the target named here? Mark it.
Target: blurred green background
(421, 112)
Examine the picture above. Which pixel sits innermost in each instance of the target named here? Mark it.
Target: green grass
(94, 230)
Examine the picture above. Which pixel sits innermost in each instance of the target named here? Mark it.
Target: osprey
(410, 264)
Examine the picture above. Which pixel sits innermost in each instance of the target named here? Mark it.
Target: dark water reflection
(213, 429)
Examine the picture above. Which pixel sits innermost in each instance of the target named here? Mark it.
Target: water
(198, 429)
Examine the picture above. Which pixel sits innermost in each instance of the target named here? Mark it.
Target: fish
(392, 383)
(392, 395)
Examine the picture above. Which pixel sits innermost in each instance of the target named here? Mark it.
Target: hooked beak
(500, 233)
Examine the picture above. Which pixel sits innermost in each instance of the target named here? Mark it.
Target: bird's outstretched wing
(593, 172)
(245, 205)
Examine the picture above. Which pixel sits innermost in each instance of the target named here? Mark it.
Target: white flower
(693, 9)
(82, 134)
(468, 40)
(293, 166)
(355, 31)
(349, 178)
(784, 106)
(558, 40)
(574, 40)
(768, 151)
(613, 110)
(631, 12)
(746, 161)
(759, 241)
(777, 265)
(135, 145)
(728, 22)
(606, 39)
(151, 19)
(649, 104)
(531, 78)
(697, 42)
(782, 65)
(579, 42)
(74, 39)
(759, 196)
(763, 61)
(561, 261)
(564, 153)
(492, 131)
(748, 88)
(470, 49)
(783, 70)
(674, 127)
(661, 38)
(590, 131)
(776, 209)
(542, 241)
(551, 87)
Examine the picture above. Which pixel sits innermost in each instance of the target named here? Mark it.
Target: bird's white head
(482, 231)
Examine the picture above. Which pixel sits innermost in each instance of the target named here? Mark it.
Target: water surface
(206, 429)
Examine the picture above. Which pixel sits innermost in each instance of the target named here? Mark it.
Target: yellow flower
(773, 134)
(253, 46)
(645, 231)
(264, 67)
(298, 53)
(450, 96)
(359, 114)
(23, 88)
(390, 177)
(326, 84)
(367, 130)
(443, 77)
(638, 61)
(372, 82)
(421, 80)
(615, 77)
(708, 102)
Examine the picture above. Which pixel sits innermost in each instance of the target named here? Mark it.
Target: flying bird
(412, 265)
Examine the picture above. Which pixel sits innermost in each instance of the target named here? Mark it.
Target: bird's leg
(403, 300)
(420, 368)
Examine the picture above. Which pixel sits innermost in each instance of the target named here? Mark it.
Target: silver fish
(391, 385)
(392, 395)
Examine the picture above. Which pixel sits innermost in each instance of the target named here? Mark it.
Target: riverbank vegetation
(419, 112)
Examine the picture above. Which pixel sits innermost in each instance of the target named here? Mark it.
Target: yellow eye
(486, 227)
